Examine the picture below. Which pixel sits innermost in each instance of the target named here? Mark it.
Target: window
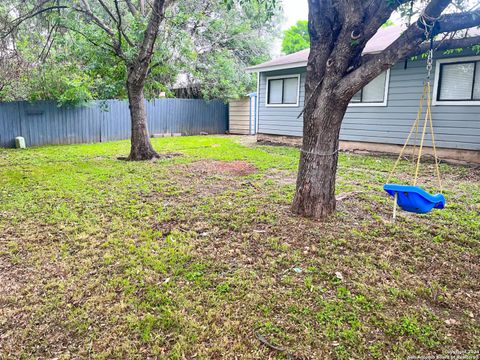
(459, 81)
(374, 93)
(283, 91)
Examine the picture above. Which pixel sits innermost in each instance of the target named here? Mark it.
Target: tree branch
(151, 32)
(377, 13)
(107, 10)
(48, 44)
(119, 23)
(138, 69)
(405, 44)
(17, 22)
(457, 21)
(447, 44)
(116, 42)
(87, 11)
(119, 27)
(109, 47)
(131, 7)
(412, 37)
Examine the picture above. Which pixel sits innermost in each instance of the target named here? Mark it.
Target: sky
(293, 10)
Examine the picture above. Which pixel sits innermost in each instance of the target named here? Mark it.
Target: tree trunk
(141, 147)
(315, 194)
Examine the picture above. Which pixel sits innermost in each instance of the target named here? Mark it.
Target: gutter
(259, 68)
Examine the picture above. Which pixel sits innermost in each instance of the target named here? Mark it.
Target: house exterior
(242, 115)
(379, 117)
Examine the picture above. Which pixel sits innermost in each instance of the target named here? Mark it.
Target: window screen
(283, 91)
(275, 91)
(357, 97)
(373, 92)
(456, 81)
(290, 89)
(476, 85)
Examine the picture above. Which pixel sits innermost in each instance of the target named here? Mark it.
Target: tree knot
(355, 35)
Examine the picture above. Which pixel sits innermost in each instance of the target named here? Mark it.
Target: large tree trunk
(141, 147)
(315, 195)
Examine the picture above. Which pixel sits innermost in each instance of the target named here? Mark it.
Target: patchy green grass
(187, 257)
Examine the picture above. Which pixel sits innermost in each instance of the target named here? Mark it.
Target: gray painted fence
(43, 122)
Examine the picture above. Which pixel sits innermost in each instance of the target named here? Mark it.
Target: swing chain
(428, 24)
(429, 64)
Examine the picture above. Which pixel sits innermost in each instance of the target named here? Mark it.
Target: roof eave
(255, 69)
(264, 68)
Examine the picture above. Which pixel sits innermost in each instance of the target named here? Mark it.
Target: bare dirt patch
(211, 167)
(156, 158)
(282, 177)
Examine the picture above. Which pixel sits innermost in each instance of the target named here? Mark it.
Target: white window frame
(385, 95)
(282, 77)
(436, 84)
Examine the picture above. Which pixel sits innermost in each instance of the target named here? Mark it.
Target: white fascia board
(277, 67)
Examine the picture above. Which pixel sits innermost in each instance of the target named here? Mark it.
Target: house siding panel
(280, 120)
(239, 116)
(456, 127)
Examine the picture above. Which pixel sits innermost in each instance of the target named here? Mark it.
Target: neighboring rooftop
(297, 59)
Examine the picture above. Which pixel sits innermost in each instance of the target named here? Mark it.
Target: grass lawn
(188, 257)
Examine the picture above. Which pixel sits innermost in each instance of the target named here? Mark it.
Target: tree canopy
(62, 55)
(296, 38)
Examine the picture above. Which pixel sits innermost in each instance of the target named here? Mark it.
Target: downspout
(250, 119)
(257, 99)
(255, 114)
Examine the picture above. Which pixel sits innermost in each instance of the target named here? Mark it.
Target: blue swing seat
(414, 198)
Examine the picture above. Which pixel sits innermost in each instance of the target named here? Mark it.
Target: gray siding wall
(456, 127)
(280, 120)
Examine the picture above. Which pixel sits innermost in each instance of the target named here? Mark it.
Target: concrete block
(20, 142)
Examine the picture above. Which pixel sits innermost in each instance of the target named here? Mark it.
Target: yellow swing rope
(414, 126)
(422, 138)
(414, 150)
(414, 129)
(428, 28)
(437, 167)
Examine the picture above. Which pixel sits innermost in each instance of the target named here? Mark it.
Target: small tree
(128, 29)
(336, 70)
(211, 40)
(296, 38)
